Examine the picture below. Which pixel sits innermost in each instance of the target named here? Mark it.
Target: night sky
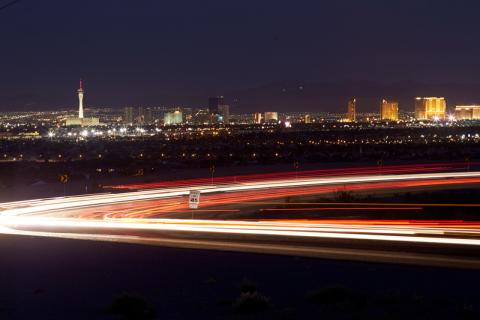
(154, 52)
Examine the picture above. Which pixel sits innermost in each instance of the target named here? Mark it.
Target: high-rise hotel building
(430, 108)
(389, 110)
(351, 110)
(257, 117)
(220, 112)
(270, 117)
(467, 112)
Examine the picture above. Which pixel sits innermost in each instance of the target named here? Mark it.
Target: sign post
(296, 165)
(467, 162)
(380, 165)
(212, 171)
(194, 200)
(64, 179)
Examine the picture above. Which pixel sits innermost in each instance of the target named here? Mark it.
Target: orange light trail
(147, 210)
(342, 209)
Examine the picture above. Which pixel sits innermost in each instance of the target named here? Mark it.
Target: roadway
(159, 215)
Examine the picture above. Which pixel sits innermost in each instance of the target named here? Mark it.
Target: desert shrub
(131, 306)
(250, 302)
(247, 286)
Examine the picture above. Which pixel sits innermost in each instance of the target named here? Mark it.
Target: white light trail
(37, 215)
(206, 226)
(46, 205)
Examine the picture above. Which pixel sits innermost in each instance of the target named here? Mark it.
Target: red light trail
(133, 216)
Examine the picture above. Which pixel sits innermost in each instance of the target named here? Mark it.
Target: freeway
(159, 215)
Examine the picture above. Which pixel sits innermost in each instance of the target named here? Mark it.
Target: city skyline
(217, 112)
(223, 104)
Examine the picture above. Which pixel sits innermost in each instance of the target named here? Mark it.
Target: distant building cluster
(218, 112)
(173, 117)
(426, 108)
(143, 120)
(265, 117)
(140, 115)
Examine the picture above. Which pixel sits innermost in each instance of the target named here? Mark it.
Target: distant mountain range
(333, 96)
(279, 96)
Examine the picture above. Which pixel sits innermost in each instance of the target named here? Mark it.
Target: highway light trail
(346, 208)
(398, 169)
(161, 207)
(282, 229)
(46, 205)
(144, 215)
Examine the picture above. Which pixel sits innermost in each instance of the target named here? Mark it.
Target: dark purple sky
(153, 51)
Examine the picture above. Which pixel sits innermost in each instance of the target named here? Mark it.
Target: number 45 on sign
(194, 199)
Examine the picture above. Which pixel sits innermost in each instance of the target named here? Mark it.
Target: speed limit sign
(194, 199)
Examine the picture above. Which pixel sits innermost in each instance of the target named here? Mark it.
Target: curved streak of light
(65, 203)
(265, 231)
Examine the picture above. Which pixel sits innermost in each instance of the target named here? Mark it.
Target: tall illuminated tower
(80, 120)
(80, 100)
